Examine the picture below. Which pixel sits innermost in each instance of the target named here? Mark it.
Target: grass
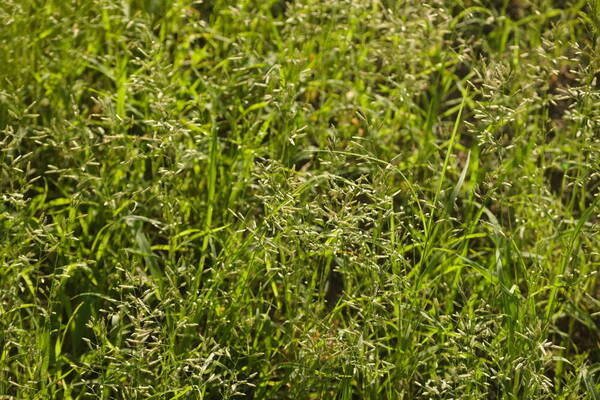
(299, 199)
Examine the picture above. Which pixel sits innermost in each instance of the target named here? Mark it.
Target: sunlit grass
(297, 199)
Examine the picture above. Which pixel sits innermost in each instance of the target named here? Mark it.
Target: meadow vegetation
(299, 199)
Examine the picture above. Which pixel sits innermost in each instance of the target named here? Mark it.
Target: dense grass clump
(299, 199)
